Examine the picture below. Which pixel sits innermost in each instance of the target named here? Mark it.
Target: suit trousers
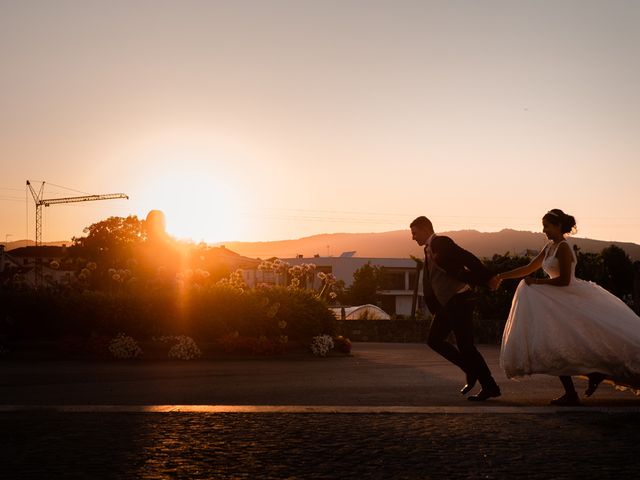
(457, 316)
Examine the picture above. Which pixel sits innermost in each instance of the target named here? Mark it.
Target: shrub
(124, 347)
(206, 314)
(321, 344)
(302, 313)
(234, 343)
(185, 348)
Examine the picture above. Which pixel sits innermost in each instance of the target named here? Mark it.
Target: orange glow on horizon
(198, 205)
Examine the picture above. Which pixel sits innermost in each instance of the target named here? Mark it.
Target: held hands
(496, 280)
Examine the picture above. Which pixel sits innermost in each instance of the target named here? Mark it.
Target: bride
(565, 326)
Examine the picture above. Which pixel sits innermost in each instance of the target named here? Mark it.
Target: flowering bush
(235, 281)
(328, 284)
(321, 344)
(279, 272)
(124, 346)
(205, 315)
(185, 348)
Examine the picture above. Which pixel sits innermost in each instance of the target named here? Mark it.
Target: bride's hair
(557, 217)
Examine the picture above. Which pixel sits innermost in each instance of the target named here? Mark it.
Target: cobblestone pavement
(591, 445)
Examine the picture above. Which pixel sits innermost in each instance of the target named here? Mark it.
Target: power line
(67, 188)
(7, 197)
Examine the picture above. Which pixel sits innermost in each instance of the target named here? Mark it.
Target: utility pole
(40, 202)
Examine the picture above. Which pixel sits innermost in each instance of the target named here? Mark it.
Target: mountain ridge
(30, 243)
(396, 244)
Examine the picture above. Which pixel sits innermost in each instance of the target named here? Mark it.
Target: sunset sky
(276, 119)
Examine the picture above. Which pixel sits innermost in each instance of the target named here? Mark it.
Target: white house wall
(343, 269)
(404, 304)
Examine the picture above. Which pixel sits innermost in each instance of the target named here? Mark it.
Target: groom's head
(421, 230)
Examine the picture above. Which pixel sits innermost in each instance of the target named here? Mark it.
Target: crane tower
(40, 202)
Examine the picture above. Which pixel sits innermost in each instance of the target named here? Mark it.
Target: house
(400, 277)
(9, 266)
(21, 263)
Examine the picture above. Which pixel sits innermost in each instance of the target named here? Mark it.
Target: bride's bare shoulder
(563, 247)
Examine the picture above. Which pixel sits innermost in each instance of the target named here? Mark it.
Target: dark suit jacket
(457, 262)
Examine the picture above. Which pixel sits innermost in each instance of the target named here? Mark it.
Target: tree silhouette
(619, 270)
(367, 280)
(110, 240)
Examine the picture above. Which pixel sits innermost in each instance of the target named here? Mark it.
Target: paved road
(97, 425)
(376, 374)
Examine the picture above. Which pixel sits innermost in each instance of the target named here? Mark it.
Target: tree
(366, 283)
(110, 239)
(590, 267)
(619, 271)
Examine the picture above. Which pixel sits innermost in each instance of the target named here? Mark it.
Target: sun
(198, 205)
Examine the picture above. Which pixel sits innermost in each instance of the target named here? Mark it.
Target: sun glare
(197, 206)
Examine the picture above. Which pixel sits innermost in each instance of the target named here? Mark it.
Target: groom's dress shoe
(471, 382)
(485, 394)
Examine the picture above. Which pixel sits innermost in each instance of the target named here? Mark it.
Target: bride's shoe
(566, 400)
(594, 380)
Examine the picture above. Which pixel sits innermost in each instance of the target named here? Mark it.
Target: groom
(449, 272)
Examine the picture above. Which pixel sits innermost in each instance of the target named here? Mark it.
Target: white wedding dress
(572, 330)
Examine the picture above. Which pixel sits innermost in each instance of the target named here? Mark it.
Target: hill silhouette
(398, 244)
(30, 243)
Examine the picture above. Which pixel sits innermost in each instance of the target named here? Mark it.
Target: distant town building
(399, 277)
(20, 265)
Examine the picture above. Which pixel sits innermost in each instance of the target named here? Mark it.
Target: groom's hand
(494, 282)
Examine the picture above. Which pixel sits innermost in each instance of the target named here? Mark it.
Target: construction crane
(40, 202)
